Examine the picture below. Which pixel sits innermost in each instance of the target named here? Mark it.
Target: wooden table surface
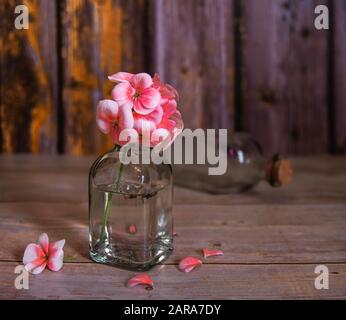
(272, 238)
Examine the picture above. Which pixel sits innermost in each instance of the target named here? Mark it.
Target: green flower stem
(109, 202)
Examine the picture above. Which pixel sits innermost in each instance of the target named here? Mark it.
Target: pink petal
(36, 267)
(56, 260)
(33, 252)
(179, 124)
(124, 136)
(149, 98)
(172, 120)
(34, 258)
(132, 228)
(175, 233)
(56, 255)
(169, 108)
(159, 135)
(173, 92)
(189, 263)
(104, 126)
(140, 109)
(123, 93)
(56, 245)
(106, 115)
(43, 241)
(156, 115)
(121, 77)
(140, 279)
(157, 83)
(168, 125)
(141, 81)
(125, 118)
(141, 124)
(107, 110)
(211, 253)
(167, 91)
(150, 120)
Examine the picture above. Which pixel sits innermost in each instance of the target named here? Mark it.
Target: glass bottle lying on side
(246, 167)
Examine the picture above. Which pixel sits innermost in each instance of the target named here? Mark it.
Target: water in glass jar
(138, 231)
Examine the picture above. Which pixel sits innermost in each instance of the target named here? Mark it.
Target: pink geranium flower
(38, 256)
(167, 91)
(141, 105)
(107, 116)
(136, 91)
(112, 119)
(171, 124)
(151, 120)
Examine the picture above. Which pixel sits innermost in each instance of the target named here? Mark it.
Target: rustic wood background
(258, 66)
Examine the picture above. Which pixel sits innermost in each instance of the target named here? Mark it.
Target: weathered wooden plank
(246, 233)
(194, 52)
(28, 79)
(99, 38)
(77, 281)
(317, 180)
(339, 74)
(285, 69)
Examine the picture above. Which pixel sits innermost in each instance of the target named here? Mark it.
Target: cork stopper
(278, 171)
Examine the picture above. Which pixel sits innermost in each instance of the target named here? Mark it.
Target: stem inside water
(109, 202)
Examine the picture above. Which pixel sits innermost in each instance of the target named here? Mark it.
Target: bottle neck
(137, 154)
(277, 171)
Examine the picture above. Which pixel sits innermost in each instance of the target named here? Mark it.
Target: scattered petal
(140, 279)
(189, 263)
(211, 253)
(175, 233)
(132, 229)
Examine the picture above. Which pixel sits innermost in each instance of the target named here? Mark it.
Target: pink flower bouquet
(139, 102)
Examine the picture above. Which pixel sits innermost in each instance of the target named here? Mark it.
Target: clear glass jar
(130, 212)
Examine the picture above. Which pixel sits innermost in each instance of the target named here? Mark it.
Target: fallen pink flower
(175, 233)
(189, 263)
(132, 228)
(38, 256)
(211, 253)
(140, 279)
